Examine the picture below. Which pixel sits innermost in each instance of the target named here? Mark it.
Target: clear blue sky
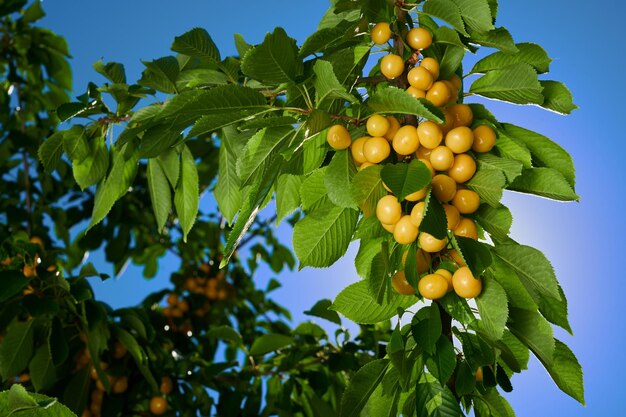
(583, 240)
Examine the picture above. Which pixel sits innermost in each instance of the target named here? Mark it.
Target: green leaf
(545, 182)
(528, 53)
(51, 151)
(361, 387)
(313, 191)
(338, 179)
(196, 42)
(262, 151)
(367, 188)
(532, 267)
(274, 61)
(511, 168)
(458, 308)
(379, 278)
(170, 162)
(493, 308)
(356, 303)
(489, 184)
(434, 400)
(498, 38)
(269, 343)
(42, 370)
(516, 83)
(241, 44)
(476, 14)
(567, 372)
(75, 143)
(157, 140)
(18, 398)
(453, 51)
(16, 348)
(368, 249)
(443, 361)
(399, 357)
(320, 40)
(33, 13)
(13, 281)
(200, 77)
(59, 348)
(323, 236)
(228, 188)
(94, 167)
(70, 110)
(404, 179)
(348, 63)
(76, 392)
(534, 331)
(447, 11)
(434, 221)
(112, 71)
(327, 86)
(392, 100)
(476, 254)
(513, 149)
(161, 74)
(557, 96)
(477, 352)
(287, 195)
(497, 405)
(160, 193)
(545, 153)
(322, 309)
(518, 294)
(187, 193)
(138, 354)
(426, 328)
(554, 310)
(496, 221)
(225, 333)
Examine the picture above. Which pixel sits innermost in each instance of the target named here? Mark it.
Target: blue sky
(583, 240)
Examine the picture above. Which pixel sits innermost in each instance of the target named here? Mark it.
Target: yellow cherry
(394, 125)
(417, 214)
(338, 137)
(388, 210)
(463, 115)
(466, 201)
(441, 158)
(444, 187)
(419, 38)
(452, 215)
(439, 94)
(392, 66)
(432, 286)
(465, 285)
(381, 33)
(460, 139)
(376, 149)
(484, 139)
(466, 228)
(401, 285)
(405, 141)
(416, 92)
(418, 195)
(420, 78)
(405, 232)
(429, 134)
(431, 244)
(377, 125)
(357, 150)
(431, 65)
(447, 276)
(463, 168)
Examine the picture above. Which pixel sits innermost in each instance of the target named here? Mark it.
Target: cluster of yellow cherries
(443, 148)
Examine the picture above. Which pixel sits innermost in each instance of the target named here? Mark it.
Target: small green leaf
(313, 190)
(435, 400)
(367, 188)
(517, 293)
(361, 387)
(493, 308)
(516, 83)
(94, 167)
(322, 309)
(51, 151)
(16, 348)
(196, 42)
(498, 38)
(320, 40)
(160, 193)
(476, 14)
(379, 278)
(567, 372)
(434, 221)
(187, 194)
(262, 151)
(269, 343)
(393, 100)
(489, 184)
(226, 333)
(511, 168)
(274, 61)
(42, 370)
(529, 53)
(327, 86)
(338, 179)
(545, 182)
(476, 254)
(13, 281)
(228, 188)
(112, 71)
(511, 148)
(404, 179)
(161, 74)
(287, 195)
(534, 331)
(356, 303)
(442, 362)
(446, 10)
(496, 221)
(557, 96)
(426, 328)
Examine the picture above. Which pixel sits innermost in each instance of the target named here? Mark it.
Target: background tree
(154, 133)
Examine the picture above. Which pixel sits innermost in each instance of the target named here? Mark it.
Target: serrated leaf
(496, 221)
(323, 236)
(200, 77)
(112, 71)
(361, 387)
(157, 140)
(187, 193)
(356, 303)
(42, 370)
(13, 281)
(513, 149)
(313, 190)
(274, 61)
(348, 62)
(269, 343)
(75, 143)
(161, 74)
(453, 52)
(196, 42)
(511, 168)
(434, 221)
(322, 309)
(446, 10)
(287, 195)
(489, 184)
(557, 96)
(51, 151)
(433, 400)
(338, 179)
(517, 293)
(555, 310)
(493, 308)
(94, 167)
(160, 192)
(226, 333)
(545, 152)
(368, 249)
(327, 87)
(228, 188)
(426, 328)
(262, 150)
(367, 188)
(567, 372)
(476, 254)
(476, 14)
(458, 308)
(516, 83)
(379, 278)
(393, 100)
(16, 348)
(529, 53)
(443, 361)
(498, 38)
(320, 40)
(544, 182)
(404, 179)
(534, 331)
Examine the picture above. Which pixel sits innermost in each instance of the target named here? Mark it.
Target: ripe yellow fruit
(444, 187)
(119, 350)
(479, 375)
(429, 134)
(432, 286)
(455, 257)
(405, 142)
(455, 80)
(36, 240)
(420, 78)
(418, 195)
(338, 137)
(392, 66)
(452, 215)
(431, 244)
(394, 125)
(376, 149)
(377, 125)
(365, 165)
(158, 405)
(447, 276)
(463, 168)
(405, 231)
(417, 213)
(466, 201)
(120, 385)
(401, 285)
(463, 115)
(441, 158)
(484, 139)
(381, 33)
(357, 150)
(419, 38)
(388, 210)
(465, 285)
(429, 166)
(466, 228)
(29, 271)
(431, 65)
(416, 92)
(448, 124)
(422, 258)
(439, 94)
(166, 385)
(460, 139)
(423, 153)
(172, 299)
(389, 227)
(454, 93)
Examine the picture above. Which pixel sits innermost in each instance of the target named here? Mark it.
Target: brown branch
(109, 120)
(354, 120)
